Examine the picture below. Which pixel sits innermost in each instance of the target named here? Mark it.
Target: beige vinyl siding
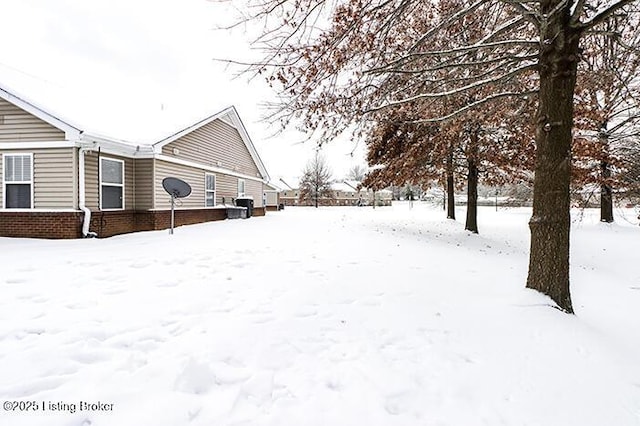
(227, 187)
(54, 177)
(91, 181)
(144, 184)
(255, 190)
(191, 175)
(17, 125)
(216, 144)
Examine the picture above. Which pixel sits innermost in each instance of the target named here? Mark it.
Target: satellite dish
(177, 188)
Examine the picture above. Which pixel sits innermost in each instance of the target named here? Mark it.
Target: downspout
(81, 196)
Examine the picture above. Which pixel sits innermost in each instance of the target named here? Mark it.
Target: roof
(21, 102)
(274, 186)
(346, 186)
(96, 121)
(285, 183)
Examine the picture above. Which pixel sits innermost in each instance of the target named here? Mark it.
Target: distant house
(59, 181)
(349, 193)
(344, 193)
(290, 197)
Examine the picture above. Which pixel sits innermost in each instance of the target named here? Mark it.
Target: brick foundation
(272, 208)
(105, 224)
(41, 224)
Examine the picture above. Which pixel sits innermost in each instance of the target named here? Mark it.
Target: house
(349, 193)
(59, 180)
(343, 193)
(288, 195)
(346, 193)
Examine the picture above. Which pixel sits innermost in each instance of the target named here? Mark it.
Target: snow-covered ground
(334, 316)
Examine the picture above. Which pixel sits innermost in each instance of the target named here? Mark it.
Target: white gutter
(81, 196)
(118, 147)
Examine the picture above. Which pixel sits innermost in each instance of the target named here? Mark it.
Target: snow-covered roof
(271, 186)
(343, 187)
(124, 122)
(288, 183)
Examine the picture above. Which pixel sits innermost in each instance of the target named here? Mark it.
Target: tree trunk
(550, 223)
(606, 194)
(472, 197)
(451, 202)
(472, 181)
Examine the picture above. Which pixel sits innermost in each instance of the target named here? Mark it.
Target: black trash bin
(245, 202)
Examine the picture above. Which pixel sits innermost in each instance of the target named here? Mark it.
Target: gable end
(18, 125)
(216, 144)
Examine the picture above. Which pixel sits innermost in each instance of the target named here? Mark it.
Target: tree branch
(473, 105)
(604, 15)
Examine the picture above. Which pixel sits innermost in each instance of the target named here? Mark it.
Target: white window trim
(4, 181)
(111, 184)
(244, 184)
(207, 191)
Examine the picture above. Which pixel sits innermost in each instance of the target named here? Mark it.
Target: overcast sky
(153, 55)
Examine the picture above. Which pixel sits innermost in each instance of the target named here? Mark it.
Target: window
(241, 191)
(111, 184)
(18, 181)
(210, 190)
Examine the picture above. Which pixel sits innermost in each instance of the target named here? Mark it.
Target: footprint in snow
(89, 357)
(306, 313)
(114, 290)
(392, 406)
(264, 319)
(371, 302)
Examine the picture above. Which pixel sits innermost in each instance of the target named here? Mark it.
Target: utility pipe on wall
(81, 196)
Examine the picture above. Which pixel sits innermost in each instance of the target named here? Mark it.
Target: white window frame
(244, 187)
(111, 184)
(4, 180)
(209, 191)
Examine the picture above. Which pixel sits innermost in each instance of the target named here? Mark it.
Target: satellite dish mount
(177, 188)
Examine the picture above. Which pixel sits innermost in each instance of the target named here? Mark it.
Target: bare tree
(631, 179)
(607, 110)
(357, 173)
(331, 62)
(316, 181)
